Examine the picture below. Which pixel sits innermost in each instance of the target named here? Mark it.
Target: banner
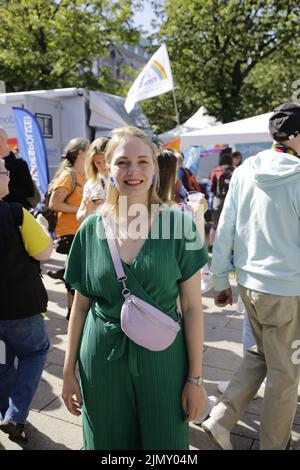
(173, 144)
(155, 79)
(32, 147)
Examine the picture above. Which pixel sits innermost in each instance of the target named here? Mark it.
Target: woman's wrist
(195, 380)
(68, 370)
(195, 372)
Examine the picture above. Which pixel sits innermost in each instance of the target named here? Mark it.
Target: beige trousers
(275, 321)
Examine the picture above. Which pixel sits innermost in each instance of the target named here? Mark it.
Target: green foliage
(272, 82)
(235, 57)
(52, 44)
(160, 112)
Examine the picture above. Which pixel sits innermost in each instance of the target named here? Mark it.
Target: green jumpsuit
(132, 396)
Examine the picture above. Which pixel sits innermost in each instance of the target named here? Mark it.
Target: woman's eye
(144, 162)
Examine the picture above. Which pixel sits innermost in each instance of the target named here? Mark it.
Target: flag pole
(176, 109)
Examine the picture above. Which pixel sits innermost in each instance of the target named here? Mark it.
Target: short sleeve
(63, 181)
(76, 270)
(34, 237)
(87, 190)
(191, 252)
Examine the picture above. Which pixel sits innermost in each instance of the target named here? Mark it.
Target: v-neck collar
(129, 266)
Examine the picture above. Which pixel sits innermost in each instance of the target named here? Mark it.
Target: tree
(272, 82)
(53, 43)
(160, 112)
(230, 55)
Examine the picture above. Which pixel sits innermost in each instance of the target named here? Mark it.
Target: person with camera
(95, 188)
(133, 396)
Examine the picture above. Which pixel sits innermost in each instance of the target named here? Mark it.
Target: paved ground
(52, 427)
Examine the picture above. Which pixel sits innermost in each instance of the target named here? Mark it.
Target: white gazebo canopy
(199, 120)
(254, 129)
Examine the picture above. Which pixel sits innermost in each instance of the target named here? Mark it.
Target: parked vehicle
(67, 113)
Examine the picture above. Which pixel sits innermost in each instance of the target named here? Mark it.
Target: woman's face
(236, 161)
(132, 168)
(81, 155)
(4, 180)
(100, 164)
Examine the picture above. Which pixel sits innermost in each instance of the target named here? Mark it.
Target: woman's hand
(193, 399)
(92, 204)
(42, 221)
(203, 201)
(223, 297)
(71, 388)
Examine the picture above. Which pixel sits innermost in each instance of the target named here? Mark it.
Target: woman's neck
(134, 206)
(131, 208)
(79, 167)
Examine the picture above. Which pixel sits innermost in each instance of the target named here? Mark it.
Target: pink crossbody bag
(144, 324)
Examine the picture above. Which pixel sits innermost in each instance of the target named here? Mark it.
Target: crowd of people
(120, 205)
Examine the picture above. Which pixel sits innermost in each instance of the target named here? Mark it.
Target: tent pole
(175, 107)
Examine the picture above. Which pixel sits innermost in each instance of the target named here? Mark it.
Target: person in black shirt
(20, 185)
(23, 333)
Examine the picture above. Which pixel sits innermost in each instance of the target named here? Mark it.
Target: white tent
(254, 129)
(199, 120)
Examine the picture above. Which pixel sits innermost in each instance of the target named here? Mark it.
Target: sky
(143, 18)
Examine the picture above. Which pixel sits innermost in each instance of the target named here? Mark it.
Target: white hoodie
(260, 221)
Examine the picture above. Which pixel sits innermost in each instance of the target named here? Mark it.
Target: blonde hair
(70, 154)
(180, 158)
(97, 147)
(112, 195)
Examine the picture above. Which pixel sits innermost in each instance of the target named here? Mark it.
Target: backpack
(192, 183)
(17, 213)
(35, 199)
(221, 181)
(50, 214)
(220, 185)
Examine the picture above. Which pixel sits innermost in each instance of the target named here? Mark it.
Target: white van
(67, 113)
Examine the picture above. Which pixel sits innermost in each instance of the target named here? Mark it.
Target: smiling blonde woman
(131, 397)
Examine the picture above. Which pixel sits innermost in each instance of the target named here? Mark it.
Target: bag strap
(74, 183)
(17, 213)
(112, 245)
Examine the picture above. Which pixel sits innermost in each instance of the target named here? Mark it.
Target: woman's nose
(132, 169)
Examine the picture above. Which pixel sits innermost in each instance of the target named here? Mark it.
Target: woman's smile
(133, 182)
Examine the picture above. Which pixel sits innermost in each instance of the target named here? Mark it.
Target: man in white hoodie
(260, 222)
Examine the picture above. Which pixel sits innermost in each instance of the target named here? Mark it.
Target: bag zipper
(169, 327)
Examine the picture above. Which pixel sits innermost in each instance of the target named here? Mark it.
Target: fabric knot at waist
(119, 348)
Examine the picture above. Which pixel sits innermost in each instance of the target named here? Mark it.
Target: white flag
(155, 79)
